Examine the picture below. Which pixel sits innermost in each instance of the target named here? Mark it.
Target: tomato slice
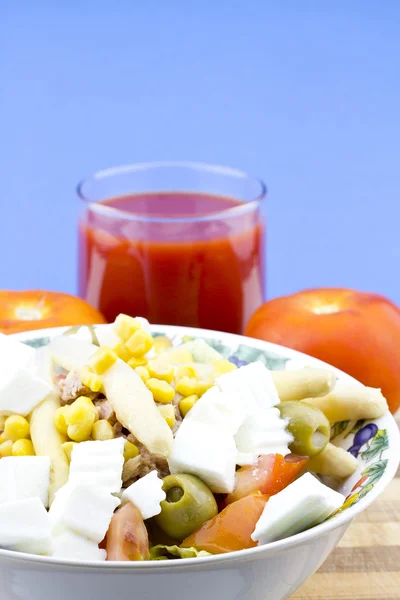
(271, 474)
(127, 537)
(231, 529)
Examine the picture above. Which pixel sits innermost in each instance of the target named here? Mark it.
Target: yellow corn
(179, 356)
(187, 403)
(122, 352)
(168, 413)
(102, 430)
(86, 401)
(223, 366)
(60, 419)
(126, 326)
(143, 373)
(161, 343)
(185, 371)
(161, 370)
(82, 412)
(23, 448)
(80, 433)
(16, 428)
(91, 379)
(187, 386)
(137, 362)
(102, 360)
(2, 438)
(6, 448)
(130, 450)
(203, 385)
(2, 421)
(162, 391)
(139, 343)
(67, 447)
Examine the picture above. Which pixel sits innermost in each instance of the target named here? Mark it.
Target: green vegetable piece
(161, 552)
(188, 505)
(308, 425)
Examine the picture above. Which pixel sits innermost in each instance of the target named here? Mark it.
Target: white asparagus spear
(303, 383)
(334, 462)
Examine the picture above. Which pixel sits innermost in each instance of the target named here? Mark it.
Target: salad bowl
(272, 571)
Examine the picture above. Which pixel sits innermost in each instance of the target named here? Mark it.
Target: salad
(116, 445)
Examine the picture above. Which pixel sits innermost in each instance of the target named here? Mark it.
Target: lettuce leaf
(162, 552)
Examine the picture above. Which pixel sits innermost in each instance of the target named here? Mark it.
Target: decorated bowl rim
(260, 552)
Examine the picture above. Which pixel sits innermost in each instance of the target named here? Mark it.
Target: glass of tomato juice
(178, 243)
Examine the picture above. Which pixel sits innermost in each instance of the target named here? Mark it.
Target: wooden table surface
(366, 563)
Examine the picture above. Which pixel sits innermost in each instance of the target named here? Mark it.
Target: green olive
(189, 503)
(308, 425)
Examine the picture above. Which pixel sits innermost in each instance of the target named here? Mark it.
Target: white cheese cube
(103, 471)
(146, 494)
(20, 389)
(302, 504)
(25, 477)
(106, 336)
(25, 526)
(98, 448)
(262, 432)
(218, 409)
(17, 353)
(252, 385)
(207, 452)
(85, 509)
(70, 545)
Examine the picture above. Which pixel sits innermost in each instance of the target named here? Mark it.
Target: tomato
(127, 537)
(355, 331)
(38, 309)
(231, 529)
(271, 474)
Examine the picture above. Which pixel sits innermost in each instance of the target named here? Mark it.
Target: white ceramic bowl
(273, 571)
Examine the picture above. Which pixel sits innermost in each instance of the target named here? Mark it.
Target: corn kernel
(139, 343)
(23, 448)
(6, 448)
(161, 369)
(102, 360)
(80, 433)
(143, 373)
(86, 401)
(223, 366)
(130, 450)
(203, 385)
(2, 438)
(16, 428)
(185, 371)
(168, 413)
(91, 379)
(137, 362)
(2, 422)
(161, 343)
(187, 403)
(179, 356)
(122, 352)
(67, 447)
(60, 419)
(161, 390)
(102, 430)
(125, 326)
(81, 412)
(187, 386)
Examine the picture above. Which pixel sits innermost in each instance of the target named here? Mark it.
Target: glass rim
(107, 210)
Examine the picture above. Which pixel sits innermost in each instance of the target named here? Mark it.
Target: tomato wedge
(231, 529)
(271, 474)
(127, 537)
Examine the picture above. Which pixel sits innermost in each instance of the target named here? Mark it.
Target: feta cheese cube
(262, 432)
(85, 509)
(302, 504)
(106, 336)
(218, 409)
(17, 353)
(67, 544)
(20, 389)
(25, 477)
(99, 448)
(252, 385)
(104, 471)
(207, 452)
(146, 494)
(25, 526)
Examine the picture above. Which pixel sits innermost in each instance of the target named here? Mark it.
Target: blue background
(305, 94)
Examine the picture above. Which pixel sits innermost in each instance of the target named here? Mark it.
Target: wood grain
(366, 563)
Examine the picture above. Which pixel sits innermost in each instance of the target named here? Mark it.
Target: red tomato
(355, 331)
(127, 537)
(38, 309)
(231, 529)
(269, 475)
